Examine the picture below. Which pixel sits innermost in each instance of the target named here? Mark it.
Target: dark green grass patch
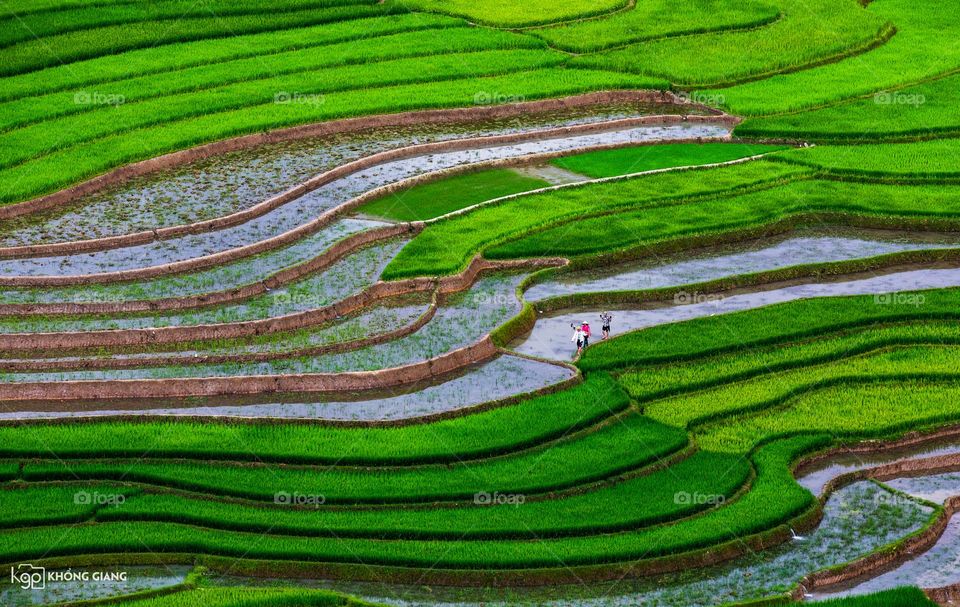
(451, 194)
(659, 497)
(625, 444)
(833, 202)
(774, 500)
(447, 246)
(623, 161)
(899, 597)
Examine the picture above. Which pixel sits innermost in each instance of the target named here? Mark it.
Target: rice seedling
(806, 33)
(505, 14)
(623, 161)
(654, 20)
(497, 431)
(446, 247)
(831, 202)
(899, 161)
(921, 50)
(629, 443)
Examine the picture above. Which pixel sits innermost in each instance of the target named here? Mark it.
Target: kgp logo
(29, 577)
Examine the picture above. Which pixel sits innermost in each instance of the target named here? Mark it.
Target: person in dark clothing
(605, 318)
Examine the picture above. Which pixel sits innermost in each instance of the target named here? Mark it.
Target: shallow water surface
(789, 252)
(329, 196)
(551, 335)
(503, 377)
(238, 180)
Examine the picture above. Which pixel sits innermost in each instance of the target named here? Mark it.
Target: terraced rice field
(287, 292)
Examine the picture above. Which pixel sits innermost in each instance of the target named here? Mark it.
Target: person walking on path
(585, 328)
(605, 318)
(577, 338)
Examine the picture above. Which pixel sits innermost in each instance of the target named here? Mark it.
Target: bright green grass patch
(661, 225)
(25, 506)
(497, 431)
(35, 54)
(771, 390)
(627, 443)
(195, 79)
(899, 597)
(774, 499)
(172, 57)
(623, 161)
(303, 88)
(454, 193)
(642, 501)
(76, 162)
(657, 19)
(450, 194)
(809, 31)
(505, 13)
(923, 111)
(38, 25)
(923, 47)
(831, 344)
(848, 411)
(927, 159)
(447, 247)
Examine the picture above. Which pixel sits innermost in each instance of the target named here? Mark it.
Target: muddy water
(935, 568)
(346, 277)
(815, 478)
(551, 335)
(329, 196)
(783, 254)
(235, 181)
(501, 378)
(462, 320)
(858, 519)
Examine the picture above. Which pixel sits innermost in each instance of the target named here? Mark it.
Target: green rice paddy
(671, 448)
